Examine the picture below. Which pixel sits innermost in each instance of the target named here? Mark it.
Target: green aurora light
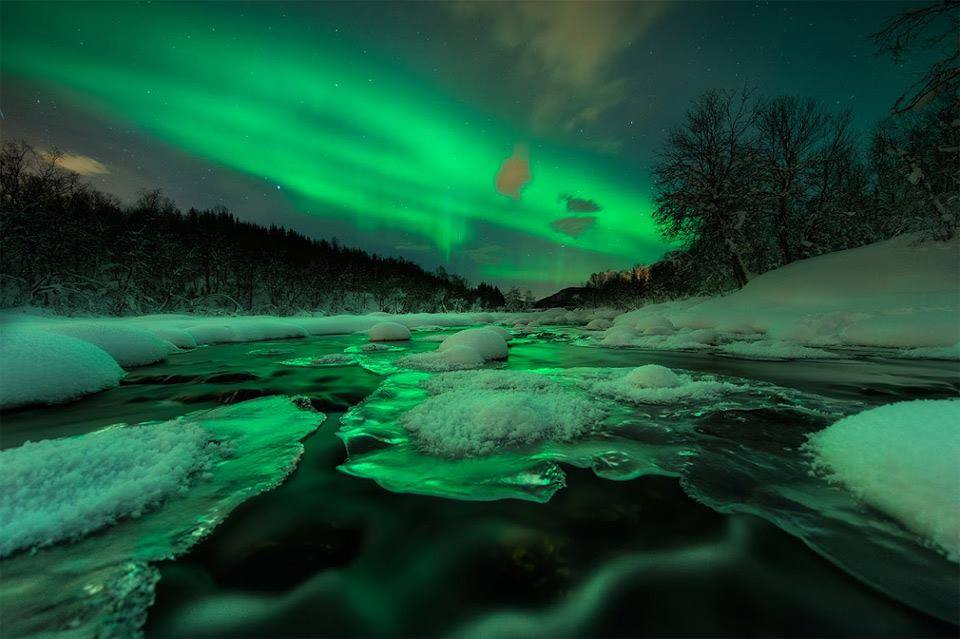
(344, 135)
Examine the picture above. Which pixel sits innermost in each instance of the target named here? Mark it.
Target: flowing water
(685, 518)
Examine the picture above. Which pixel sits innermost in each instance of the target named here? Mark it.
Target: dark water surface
(328, 554)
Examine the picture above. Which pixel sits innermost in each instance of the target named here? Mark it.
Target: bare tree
(705, 179)
(934, 26)
(790, 133)
(925, 137)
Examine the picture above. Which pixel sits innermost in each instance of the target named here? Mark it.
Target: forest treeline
(75, 250)
(749, 183)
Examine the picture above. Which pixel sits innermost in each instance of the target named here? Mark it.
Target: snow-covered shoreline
(900, 298)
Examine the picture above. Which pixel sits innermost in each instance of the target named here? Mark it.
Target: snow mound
(66, 488)
(176, 336)
(501, 331)
(654, 325)
(902, 459)
(256, 329)
(488, 343)
(389, 332)
(653, 376)
(455, 358)
(129, 346)
(46, 368)
(654, 384)
(599, 324)
(466, 423)
(208, 333)
(684, 340)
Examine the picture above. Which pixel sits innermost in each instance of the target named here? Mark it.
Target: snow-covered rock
(654, 325)
(902, 459)
(389, 332)
(653, 376)
(598, 324)
(177, 336)
(210, 333)
(256, 329)
(489, 344)
(38, 367)
(128, 345)
(501, 331)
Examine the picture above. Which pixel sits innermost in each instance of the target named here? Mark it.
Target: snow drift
(902, 459)
(45, 368)
(901, 293)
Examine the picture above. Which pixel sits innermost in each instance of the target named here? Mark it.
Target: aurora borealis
(348, 132)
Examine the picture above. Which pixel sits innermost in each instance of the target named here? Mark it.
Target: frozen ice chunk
(455, 358)
(45, 368)
(389, 332)
(66, 488)
(902, 459)
(654, 384)
(488, 343)
(463, 423)
(100, 585)
(774, 350)
(490, 380)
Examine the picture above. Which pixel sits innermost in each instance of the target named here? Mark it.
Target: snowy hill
(901, 293)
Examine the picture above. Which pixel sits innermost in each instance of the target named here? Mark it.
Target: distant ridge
(570, 297)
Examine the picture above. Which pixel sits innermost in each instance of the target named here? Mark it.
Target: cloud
(514, 173)
(567, 51)
(580, 205)
(574, 226)
(82, 164)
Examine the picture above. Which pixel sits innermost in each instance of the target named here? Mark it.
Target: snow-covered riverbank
(900, 298)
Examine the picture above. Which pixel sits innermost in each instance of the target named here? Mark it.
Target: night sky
(511, 143)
